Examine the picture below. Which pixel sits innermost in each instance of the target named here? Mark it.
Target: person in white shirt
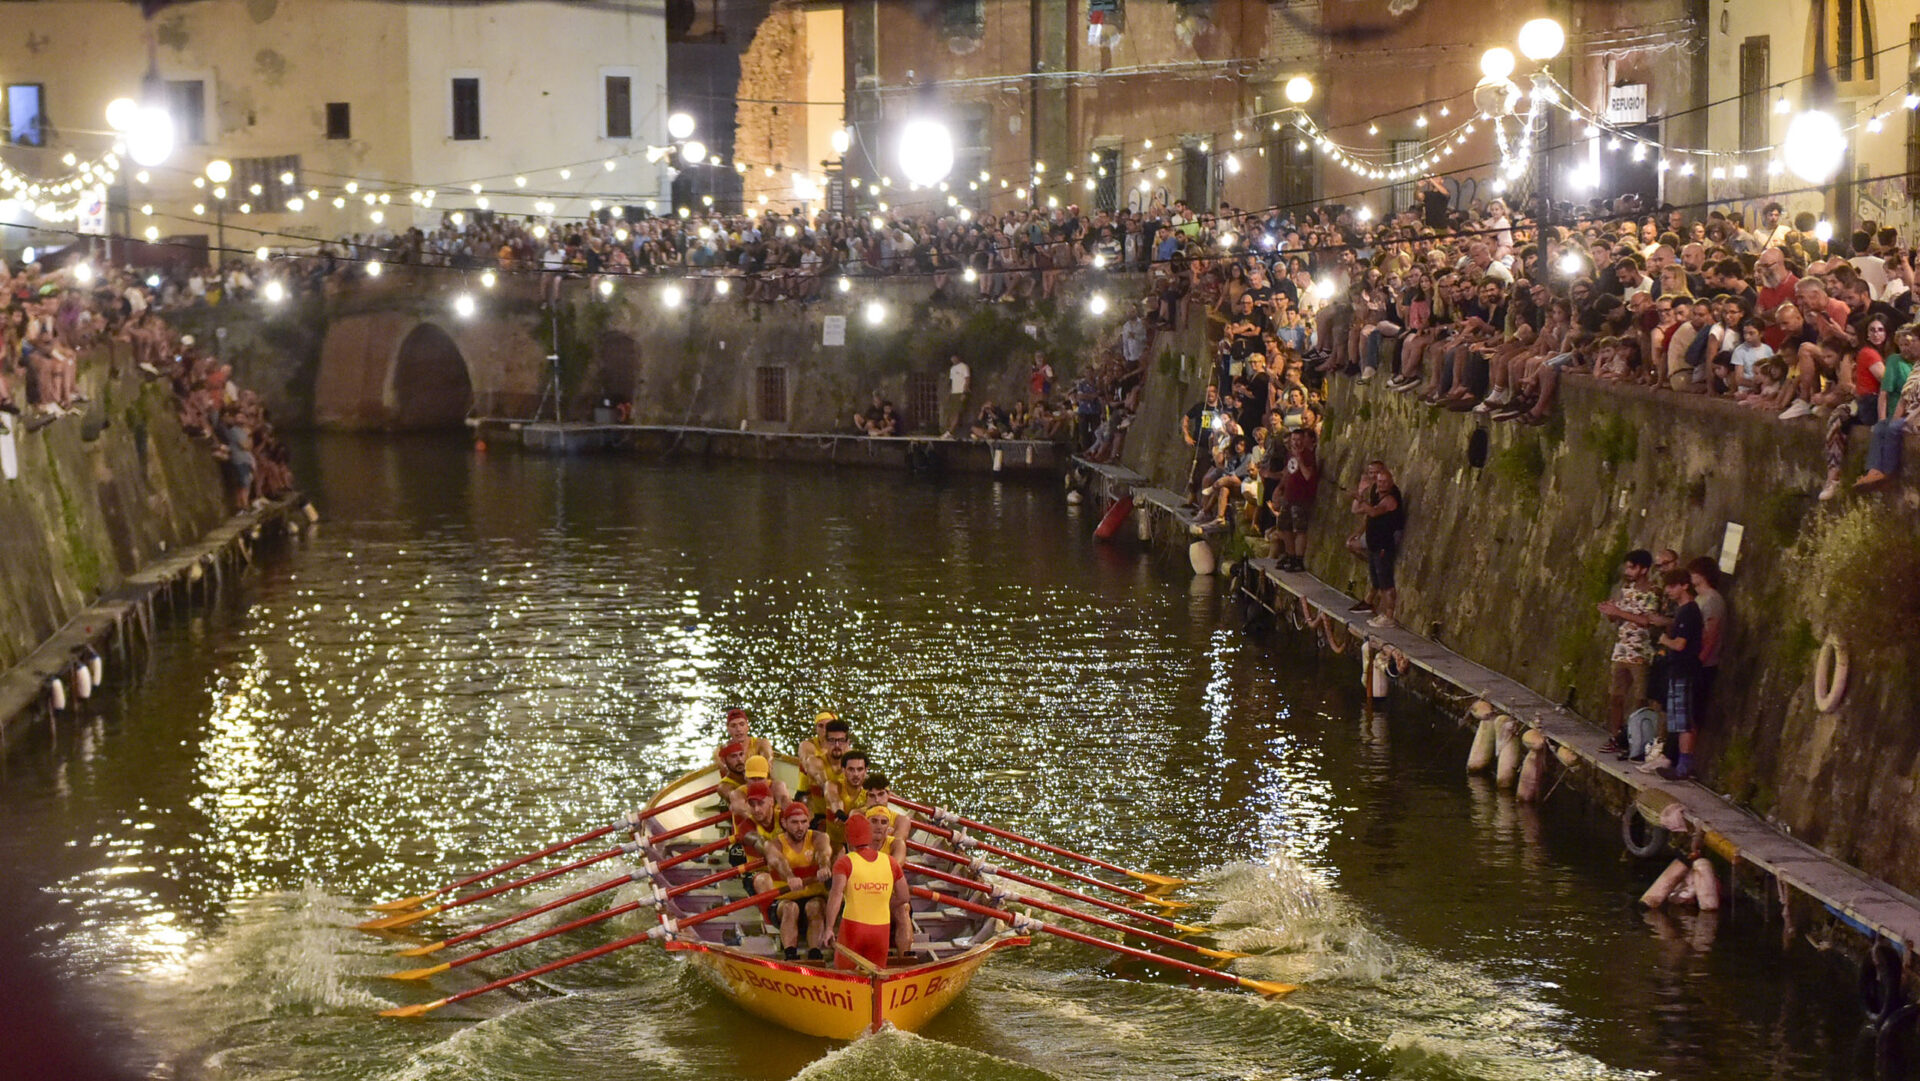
(1773, 231)
(959, 380)
(1872, 268)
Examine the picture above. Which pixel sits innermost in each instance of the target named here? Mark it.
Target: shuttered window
(770, 393)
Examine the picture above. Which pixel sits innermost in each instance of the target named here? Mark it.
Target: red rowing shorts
(869, 940)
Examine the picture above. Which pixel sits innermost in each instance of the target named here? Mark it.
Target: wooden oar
(1162, 940)
(637, 876)
(618, 910)
(389, 923)
(665, 929)
(1015, 876)
(628, 824)
(1022, 923)
(973, 842)
(949, 817)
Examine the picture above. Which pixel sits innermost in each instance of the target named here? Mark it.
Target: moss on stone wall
(1862, 565)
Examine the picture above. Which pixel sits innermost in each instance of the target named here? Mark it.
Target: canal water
(475, 654)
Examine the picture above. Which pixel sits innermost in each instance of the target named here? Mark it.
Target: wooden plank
(1850, 892)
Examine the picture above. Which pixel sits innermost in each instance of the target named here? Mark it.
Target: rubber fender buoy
(1705, 884)
(313, 514)
(1664, 887)
(1531, 772)
(1143, 525)
(1481, 709)
(82, 682)
(57, 694)
(97, 667)
(1567, 755)
(1880, 993)
(1200, 554)
(1640, 837)
(1506, 770)
(1534, 739)
(1074, 497)
(1481, 757)
(1115, 517)
(1830, 675)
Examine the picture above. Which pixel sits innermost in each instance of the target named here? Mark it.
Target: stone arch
(429, 386)
(618, 357)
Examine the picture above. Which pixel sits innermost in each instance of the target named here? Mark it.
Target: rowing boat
(740, 958)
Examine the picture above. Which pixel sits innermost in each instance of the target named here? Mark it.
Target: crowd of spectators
(49, 320)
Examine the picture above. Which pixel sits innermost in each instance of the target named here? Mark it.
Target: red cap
(796, 808)
(759, 790)
(736, 712)
(736, 747)
(859, 832)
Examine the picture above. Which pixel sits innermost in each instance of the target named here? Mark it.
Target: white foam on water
(892, 1055)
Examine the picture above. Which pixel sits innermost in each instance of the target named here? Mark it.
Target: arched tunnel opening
(431, 388)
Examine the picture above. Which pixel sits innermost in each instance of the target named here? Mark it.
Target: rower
(829, 781)
(873, 890)
(849, 793)
(740, 727)
(755, 769)
(812, 752)
(890, 824)
(733, 769)
(801, 859)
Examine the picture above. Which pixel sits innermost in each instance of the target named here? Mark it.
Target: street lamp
(1541, 40)
(1814, 146)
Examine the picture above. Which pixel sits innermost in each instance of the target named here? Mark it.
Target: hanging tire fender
(1880, 991)
(1830, 675)
(1640, 837)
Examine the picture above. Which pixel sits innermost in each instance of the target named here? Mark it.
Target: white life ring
(1830, 675)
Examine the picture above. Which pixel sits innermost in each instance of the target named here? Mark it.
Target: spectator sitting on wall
(888, 424)
(992, 422)
(865, 420)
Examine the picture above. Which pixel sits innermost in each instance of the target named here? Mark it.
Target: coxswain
(802, 860)
(868, 900)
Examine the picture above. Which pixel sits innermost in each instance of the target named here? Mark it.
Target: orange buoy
(479, 446)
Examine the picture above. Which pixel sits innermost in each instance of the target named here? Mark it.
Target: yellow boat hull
(840, 1005)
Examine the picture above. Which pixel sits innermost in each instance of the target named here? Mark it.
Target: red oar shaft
(940, 831)
(1075, 936)
(1015, 876)
(1030, 902)
(530, 913)
(691, 827)
(649, 812)
(694, 853)
(584, 921)
(588, 955)
(531, 879)
(1011, 836)
(523, 860)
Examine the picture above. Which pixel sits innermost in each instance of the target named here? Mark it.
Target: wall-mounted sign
(1627, 104)
(833, 330)
(90, 216)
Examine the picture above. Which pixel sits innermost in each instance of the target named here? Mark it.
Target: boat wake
(892, 1055)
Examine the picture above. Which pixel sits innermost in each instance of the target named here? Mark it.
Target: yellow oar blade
(413, 1011)
(1159, 880)
(403, 903)
(388, 923)
(1223, 955)
(1191, 929)
(435, 970)
(1170, 904)
(1268, 989)
(422, 951)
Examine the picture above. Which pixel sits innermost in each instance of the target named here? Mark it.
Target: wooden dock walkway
(1872, 907)
(1142, 490)
(1002, 456)
(23, 686)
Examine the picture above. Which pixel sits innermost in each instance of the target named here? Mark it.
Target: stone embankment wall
(97, 496)
(369, 354)
(1511, 545)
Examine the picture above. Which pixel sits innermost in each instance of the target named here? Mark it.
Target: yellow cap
(756, 768)
(824, 716)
